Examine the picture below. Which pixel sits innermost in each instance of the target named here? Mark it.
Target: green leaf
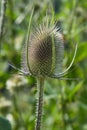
(4, 124)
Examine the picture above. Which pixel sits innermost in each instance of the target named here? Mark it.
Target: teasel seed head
(45, 52)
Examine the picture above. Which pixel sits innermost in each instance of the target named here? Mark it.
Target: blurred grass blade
(82, 52)
(75, 89)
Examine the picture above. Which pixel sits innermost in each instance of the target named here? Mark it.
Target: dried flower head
(45, 52)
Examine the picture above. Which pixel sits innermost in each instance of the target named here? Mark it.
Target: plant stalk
(2, 18)
(40, 86)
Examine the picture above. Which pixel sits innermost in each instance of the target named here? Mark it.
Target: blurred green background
(65, 102)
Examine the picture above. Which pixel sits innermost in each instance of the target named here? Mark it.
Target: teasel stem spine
(39, 109)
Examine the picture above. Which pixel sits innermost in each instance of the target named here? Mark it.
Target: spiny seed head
(45, 52)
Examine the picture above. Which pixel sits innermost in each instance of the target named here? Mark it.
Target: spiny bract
(45, 52)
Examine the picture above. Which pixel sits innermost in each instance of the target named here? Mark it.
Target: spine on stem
(40, 87)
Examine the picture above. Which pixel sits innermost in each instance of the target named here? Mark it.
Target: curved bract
(66, 70)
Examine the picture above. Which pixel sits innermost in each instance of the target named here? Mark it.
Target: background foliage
(65, 102)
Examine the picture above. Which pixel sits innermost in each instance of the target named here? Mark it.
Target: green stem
(40, 85)
(63, 105)
(2, 18)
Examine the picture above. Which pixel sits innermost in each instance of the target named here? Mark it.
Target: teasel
(42, 57)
